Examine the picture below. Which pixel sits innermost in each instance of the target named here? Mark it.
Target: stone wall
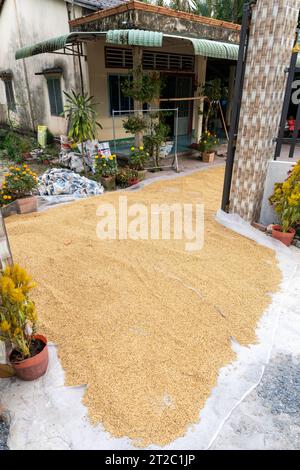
(272, 36)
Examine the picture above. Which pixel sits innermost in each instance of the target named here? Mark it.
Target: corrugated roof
(55, 44)
(95, 5)
(135, 37)
(203, 47)
(102, 4)
(215, 49)
(132, 37)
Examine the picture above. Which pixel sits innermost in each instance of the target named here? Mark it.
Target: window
(55, 96)
(9, 92)
(116, 57)
(166, 61)
(117, 99)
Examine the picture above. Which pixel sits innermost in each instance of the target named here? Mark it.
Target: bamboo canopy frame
(202, 98)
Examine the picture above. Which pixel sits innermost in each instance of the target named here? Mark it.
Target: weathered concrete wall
(157, 19)
(270, 46)
(37, 21)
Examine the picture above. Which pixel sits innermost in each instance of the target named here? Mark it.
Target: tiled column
(272, 35)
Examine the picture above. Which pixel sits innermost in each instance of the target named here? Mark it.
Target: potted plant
(127, 177)
(19, 185)
(122, 177)
(286, 203)
(135, 124)
(81, 112)
(143, 88)
(137, 161)
(153, 142)
(106, 170)
(207, 146)
(27, 350)
(133, 177)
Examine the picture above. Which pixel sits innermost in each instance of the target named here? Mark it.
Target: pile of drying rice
(145, 324)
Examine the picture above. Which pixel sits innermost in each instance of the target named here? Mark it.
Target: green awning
(55, 44)
(208, 48)
(131, 37)
(135, 37)
(214, 49)
(204, 47)
(41, 47)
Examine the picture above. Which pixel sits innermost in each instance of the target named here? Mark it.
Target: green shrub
(14, 145)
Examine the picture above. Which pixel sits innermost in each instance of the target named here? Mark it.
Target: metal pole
(295, 133)
(286, 105)
(176, 138)
(80, 69)
(114, 131)
(237, 98)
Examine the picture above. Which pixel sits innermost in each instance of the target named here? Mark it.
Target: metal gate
(293, 132)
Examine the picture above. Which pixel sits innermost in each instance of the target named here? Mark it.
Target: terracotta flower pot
(26, 205)
(285, 237)
(33, 367)
(208, 157)
(108, 182)
(133, 181)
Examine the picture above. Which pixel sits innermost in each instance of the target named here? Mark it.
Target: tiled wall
(272, 36)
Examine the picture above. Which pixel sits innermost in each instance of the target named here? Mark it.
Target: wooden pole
(190, 98)
(137, 74)
(223, 121)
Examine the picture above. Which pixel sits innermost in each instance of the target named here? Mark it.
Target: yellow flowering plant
(18, 316)
(19, 182)
(208, 142)
(138, 158)
(286, 200)
(105, 166)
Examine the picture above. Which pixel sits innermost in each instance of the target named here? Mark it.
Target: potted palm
(207, 146)
(106, 170)
(27, 350)
(19, 185)
(81, 112)
(286, 203)
(137, 161)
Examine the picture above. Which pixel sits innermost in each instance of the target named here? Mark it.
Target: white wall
(98, 83)
(38, 21)
(277, 173)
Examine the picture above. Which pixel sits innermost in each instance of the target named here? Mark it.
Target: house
(185, 49)
(31, 90)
